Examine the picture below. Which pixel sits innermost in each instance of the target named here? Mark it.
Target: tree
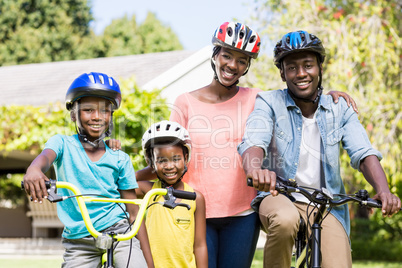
(124, 37)
(157, 37)
(42, 31)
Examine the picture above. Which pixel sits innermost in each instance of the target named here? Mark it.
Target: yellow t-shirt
(171, 233)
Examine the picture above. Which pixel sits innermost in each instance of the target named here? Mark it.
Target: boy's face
(301, 72)
(169, 162)
(230, 65)
(95, 115)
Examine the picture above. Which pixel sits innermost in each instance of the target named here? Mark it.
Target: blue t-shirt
(113, 172)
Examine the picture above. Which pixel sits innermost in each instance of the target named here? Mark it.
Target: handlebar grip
(47, 183)
(373, 203)
(184, 194)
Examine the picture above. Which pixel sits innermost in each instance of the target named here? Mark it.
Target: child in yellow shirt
(177, 236)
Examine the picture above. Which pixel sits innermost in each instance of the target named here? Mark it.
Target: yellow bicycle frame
(143, 203)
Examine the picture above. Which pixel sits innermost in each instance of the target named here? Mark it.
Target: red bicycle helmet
(239, 37)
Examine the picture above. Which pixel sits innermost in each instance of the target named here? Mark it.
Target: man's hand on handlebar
(263, 180)
(391, 204)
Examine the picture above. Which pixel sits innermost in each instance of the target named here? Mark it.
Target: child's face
(95, 115)
(169, 162)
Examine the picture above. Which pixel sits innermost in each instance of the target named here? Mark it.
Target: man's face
(301, 72)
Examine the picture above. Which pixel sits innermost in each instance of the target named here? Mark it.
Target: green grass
(55, 261)
(257, 262)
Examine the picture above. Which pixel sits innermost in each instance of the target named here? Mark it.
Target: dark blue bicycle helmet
(296, 42)
(94, 85)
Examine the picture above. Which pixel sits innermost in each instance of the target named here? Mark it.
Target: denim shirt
(275, 125)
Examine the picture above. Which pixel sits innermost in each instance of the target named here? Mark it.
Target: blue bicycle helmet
(94, 85)
(295, 42)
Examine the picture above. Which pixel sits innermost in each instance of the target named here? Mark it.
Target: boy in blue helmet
(297, 133)
(84, 160)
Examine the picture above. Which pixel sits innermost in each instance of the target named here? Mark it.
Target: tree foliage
(364, 49)
(125, 37)
(43, 31)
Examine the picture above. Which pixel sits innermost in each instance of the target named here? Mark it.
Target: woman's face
(230, 65)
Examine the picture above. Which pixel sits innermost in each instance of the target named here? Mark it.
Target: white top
(309, 167)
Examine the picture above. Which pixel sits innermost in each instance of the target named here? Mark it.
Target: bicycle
(105, 241)
(307, 247)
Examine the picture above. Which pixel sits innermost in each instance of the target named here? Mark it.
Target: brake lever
(172, 205)
(171, 200)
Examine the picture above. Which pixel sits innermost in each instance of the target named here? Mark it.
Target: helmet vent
(91, 77)
(110, 81)
(102, 79)
(241, 35)
(252, 39)
(303, 37)
(177, 129)
(167, 126)
(230, 31)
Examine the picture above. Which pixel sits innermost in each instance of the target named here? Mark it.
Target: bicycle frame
(313, 242)
(106, 240)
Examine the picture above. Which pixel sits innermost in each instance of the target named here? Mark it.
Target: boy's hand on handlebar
(34, 184)
(263, 180)
(391, 204)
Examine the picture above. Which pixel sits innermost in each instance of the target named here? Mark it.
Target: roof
(42, 83)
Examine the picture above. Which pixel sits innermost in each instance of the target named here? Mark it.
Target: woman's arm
(145, 174)
(200, 241)
(337, 94)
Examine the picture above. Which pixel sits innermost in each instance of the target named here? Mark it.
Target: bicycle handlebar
(323, 196)
(143, 203)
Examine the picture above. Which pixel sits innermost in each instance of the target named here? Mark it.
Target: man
(296, 133)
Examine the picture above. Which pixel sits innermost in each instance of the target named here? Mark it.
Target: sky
(193, 22)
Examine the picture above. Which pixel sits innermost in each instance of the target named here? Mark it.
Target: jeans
(83, 253)
(232, 241)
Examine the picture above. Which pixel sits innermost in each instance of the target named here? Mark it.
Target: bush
(376, 238)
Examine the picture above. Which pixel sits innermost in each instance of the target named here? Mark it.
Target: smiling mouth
(228, 75)
(302, 83)
(170, 175)
(96, 127)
